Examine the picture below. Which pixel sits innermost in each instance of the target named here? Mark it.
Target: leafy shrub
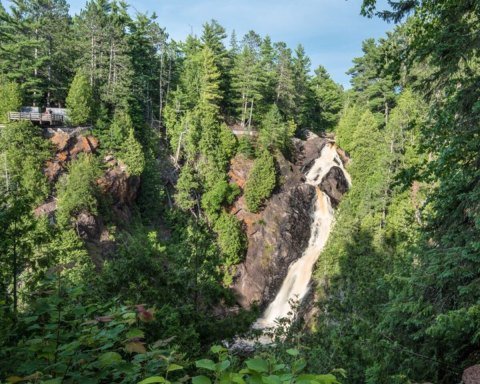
(64, 337)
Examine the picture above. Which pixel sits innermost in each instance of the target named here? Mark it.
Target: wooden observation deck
(38, 117)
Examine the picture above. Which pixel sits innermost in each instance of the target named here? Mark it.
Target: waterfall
(297, 282)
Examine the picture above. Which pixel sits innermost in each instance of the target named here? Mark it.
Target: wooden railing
(240, 132)
(50, 118)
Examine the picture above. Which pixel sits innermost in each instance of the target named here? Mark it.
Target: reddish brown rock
(93, 142)
(53, 170)
(240, 168)
(343, 155)
(471, 375)
(61, 140)
(123, 190)
(61, 156)
(46, 209)
(82, 145)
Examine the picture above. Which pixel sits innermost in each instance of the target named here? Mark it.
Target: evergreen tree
(10, 98)
(275, 133)
(247, 82)
(132, 155)
(285, 85)
(80, 101)
(261, 181)
(36, 52)
(77, 191)
(303, 95)
(328, 99)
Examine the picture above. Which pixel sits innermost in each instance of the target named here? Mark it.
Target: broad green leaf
(223, 366)
(174, 367)
(153, 379)
(206, 364)
(109, 358)
(217, 349)
(135, 333)
(201, 380)
(278, 367)
(321, 379)
(298, 365)
(293, 352)
(257, 365)
(272, 379)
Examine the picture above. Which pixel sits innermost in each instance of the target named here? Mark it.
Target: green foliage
(219, 194)
(329, 99)
(186, 187)
(275, 133)
(231, 238)
(77, 190)
(11, 99)
(120, 129)
(132, 155)
(261, 181)
(67, 336)
(265, 369)
(23, 152)
(80, 101)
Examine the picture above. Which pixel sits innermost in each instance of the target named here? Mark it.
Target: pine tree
(80, 101)
(275, 132)
(303, 95)
(37, 49)
(328, 100)
(261, 181)
(132, 155)
(247, 78)
(78, 190)
(285, 86)
(10, 98)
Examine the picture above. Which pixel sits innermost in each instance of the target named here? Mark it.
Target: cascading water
(296, 283)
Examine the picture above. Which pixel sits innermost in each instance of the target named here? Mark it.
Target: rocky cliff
(115, 183)
(279, 234)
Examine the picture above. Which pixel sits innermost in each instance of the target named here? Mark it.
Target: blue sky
(330, 30)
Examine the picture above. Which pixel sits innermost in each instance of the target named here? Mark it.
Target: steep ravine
(286, 238)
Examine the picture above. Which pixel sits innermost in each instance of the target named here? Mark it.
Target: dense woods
(119, 244)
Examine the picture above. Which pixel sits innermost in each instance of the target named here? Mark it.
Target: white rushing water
(297, 282)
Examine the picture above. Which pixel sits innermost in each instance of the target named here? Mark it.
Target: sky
(331, 31)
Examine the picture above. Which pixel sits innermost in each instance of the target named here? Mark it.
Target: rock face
(278, 235)
(334, 184)
(69, 146)
(122, 188)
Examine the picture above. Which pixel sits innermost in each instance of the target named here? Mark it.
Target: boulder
(334, 184)
(61, 140)
(87, 226)
(53, 170)
(82, 145)
(471, 375)
(122, 188)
